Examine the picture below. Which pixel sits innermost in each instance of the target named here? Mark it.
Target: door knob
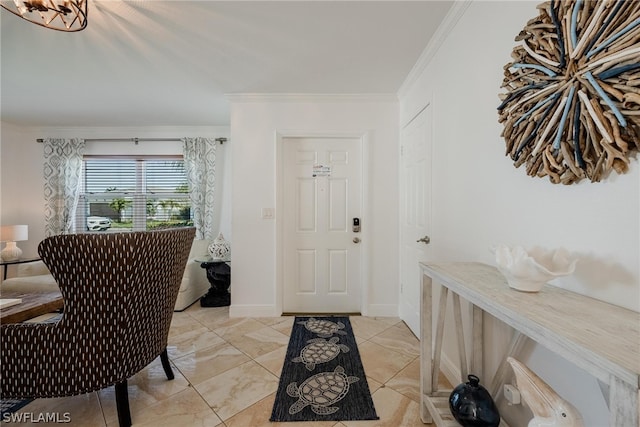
(356, 240)
(424, 240)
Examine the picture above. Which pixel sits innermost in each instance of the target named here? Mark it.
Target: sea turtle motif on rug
(324, 328)
(321, 391)
(320, 350)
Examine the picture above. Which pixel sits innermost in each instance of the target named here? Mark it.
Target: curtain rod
(136, 140)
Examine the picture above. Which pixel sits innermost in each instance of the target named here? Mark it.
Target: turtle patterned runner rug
(322, 377)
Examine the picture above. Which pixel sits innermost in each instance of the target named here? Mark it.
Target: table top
(210, 261)
(19, 261)
(600, 337)
(33, 304)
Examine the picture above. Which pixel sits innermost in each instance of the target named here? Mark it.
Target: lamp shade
(14, 233)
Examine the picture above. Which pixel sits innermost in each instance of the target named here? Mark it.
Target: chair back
(119, 291)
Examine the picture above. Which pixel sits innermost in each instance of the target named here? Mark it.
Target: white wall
(21, 183)
(21, 179)
(480, 199)
(255, 122)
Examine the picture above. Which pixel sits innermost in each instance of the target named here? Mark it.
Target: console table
(601, 338)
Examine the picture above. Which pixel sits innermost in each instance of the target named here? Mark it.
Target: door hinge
(402, 150)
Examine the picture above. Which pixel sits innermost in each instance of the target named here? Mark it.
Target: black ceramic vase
(472, 406)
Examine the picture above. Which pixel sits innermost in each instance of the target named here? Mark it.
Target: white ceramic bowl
(530, 271)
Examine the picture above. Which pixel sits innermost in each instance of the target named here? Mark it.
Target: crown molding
(448, 23)
(312, 97)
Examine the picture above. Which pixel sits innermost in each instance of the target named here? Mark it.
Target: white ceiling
(147, 63)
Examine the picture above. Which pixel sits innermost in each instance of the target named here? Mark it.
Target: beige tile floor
(227, 370)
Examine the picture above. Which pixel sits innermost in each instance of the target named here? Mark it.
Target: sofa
(35, 277)
(194, 281)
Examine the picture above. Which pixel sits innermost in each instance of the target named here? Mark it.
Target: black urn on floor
(472, 406)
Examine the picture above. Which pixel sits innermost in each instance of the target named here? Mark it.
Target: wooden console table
(601, 338)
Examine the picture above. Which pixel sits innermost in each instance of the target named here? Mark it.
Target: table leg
(517, 342)
(477, 347)
(437, 350)
(462, 351)
(623, 404)
(426, 347)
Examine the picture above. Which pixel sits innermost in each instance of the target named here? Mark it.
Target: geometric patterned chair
(119, 291)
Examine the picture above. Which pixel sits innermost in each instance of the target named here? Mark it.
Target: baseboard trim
(253, 311)
(381, 310)
(248, 310)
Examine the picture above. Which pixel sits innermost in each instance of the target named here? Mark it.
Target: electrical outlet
(512, 394)
(268, 213)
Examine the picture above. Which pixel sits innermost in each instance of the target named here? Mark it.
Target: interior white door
(415, 213)
(322, 194)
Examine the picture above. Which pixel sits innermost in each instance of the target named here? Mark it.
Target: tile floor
(227, 372)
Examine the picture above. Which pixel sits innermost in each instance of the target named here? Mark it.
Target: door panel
(306, 263)
(415, 212)
(322, 192)
(338, 209)
(338, 278)
(307, 196)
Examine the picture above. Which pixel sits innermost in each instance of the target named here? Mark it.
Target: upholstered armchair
(119, 291)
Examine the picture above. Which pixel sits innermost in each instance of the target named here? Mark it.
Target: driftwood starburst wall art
(572, 104)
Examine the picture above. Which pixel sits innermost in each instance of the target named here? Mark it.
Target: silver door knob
(424, 240)
(356, 240)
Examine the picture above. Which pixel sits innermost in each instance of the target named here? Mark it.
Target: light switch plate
(268, 213)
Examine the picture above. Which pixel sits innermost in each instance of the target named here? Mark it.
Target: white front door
(322, 192)
(415, 213)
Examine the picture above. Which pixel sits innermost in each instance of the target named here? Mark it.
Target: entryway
(321, 224)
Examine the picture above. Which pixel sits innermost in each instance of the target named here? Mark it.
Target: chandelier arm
(70, 16)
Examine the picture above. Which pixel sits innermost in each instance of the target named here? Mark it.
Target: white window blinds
(133, 194)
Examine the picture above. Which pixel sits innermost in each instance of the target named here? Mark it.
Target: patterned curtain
(200, 166)
(62, 179)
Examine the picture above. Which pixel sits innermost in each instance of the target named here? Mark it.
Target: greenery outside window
(133, 194)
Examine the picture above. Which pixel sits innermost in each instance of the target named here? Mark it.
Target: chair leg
(122, 403)
(164, 357)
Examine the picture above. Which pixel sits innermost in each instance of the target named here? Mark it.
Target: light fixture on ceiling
(61, 15)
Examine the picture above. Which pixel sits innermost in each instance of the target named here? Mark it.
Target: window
(133, 194)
